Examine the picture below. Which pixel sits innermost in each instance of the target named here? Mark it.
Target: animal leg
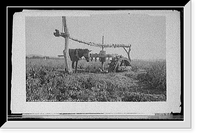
(73, 64)
(76, 66)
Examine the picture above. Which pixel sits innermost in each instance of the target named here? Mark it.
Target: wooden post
(68, 62)
(102, 42)
(128, 52)
(102, 63)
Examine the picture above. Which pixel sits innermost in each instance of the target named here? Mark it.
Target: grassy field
(47, 81)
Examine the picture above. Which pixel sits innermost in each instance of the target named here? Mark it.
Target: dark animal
(76, 54)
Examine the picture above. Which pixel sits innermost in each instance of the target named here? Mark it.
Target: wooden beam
(128, 52)
(68, 62)
(102, 42)
(100, 45)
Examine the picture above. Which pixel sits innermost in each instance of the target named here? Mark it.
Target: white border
(117, 124)
(19, 104)
(187, 64)
(96, 124)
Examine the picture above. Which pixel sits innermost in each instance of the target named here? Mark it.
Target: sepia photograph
(107, 57)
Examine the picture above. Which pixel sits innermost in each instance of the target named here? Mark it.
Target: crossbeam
(101, 45)
(57, 34)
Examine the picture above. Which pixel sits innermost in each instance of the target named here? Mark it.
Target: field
(46, 81)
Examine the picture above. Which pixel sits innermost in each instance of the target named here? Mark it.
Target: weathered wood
(102, 42)
(100, 45)
(128, 52)
(68, 62)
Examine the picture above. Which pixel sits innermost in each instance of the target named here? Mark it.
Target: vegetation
(47, 81)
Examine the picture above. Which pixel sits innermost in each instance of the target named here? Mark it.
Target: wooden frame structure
(67, 36)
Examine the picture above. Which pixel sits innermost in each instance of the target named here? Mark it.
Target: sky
(145, 33)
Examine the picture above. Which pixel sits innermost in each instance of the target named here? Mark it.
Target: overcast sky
(146, 34)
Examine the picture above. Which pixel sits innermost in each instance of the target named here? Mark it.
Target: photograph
(98, 68)
(98, 57)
